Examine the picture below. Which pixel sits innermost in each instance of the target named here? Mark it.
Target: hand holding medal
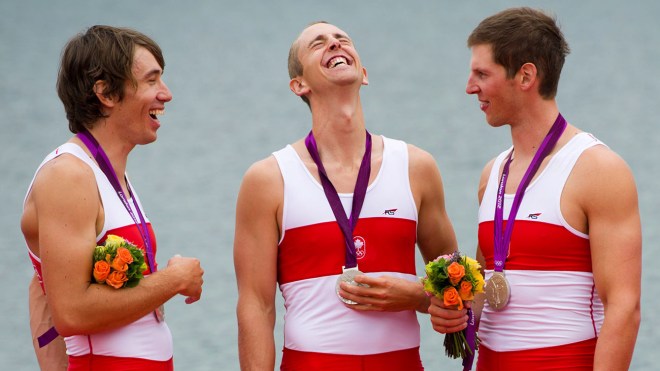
(348, 276)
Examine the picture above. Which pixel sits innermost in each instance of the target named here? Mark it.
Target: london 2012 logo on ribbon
(360, 247)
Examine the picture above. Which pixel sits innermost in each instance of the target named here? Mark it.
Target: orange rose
(116, 279)
(101, 271)
(465, 290)
(119, 265)
(455, 271)
(124, 255)
(451, 298)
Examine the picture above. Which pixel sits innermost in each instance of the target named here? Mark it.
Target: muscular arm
(435, 236)
(67, 206)
(435, 233)
(606, 191)
(255, 260)
(446, 320)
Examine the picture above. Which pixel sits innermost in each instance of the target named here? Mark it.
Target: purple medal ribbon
(104, 163)
(47, 337)
(502, 241)
(347, 226)
(470, 333)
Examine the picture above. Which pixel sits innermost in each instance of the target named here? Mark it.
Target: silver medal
(498, 291)
(348, 276)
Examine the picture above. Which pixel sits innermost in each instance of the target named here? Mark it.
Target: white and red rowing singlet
(553, 296)
(145, 338)
(311, 256)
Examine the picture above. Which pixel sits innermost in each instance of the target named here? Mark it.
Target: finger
(354, 289)
(344, 293)
(449, 330)
(449, 314)
(444, 325)
(364, 279)
(190, 299)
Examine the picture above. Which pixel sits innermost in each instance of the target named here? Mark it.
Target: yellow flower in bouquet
(118, 263)
(454, 279)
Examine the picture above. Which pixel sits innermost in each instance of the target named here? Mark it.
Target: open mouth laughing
(154, 113)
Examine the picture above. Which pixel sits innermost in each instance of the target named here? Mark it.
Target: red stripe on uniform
(539, 246)
(318, 250)
(400, 360)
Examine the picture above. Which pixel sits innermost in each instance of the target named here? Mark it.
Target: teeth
(157, 112)
(334, 62)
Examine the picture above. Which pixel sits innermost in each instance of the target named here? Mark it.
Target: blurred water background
(226, 67)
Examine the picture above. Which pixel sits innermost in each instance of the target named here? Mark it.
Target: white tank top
(311, 256)
(145, 338)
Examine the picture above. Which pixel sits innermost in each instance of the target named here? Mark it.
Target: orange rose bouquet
(118, 263)
(454, 279)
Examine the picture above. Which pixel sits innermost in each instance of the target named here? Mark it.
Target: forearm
(102, 308)
(256, 344)
(616, 340)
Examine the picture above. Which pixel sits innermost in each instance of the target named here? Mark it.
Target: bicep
(256, 235)
(612, 211)
(435, 233)
(67, 203)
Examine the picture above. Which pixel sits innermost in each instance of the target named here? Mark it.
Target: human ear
(527, 75)
(298, 86)
(106, 99)
(365, 80)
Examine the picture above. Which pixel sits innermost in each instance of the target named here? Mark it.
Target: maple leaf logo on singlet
(360, 247)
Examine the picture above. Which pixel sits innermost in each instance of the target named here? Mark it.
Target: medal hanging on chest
(498, 290)
(346, 224)
(106, 166)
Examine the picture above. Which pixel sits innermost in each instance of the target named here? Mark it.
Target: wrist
(424, 300)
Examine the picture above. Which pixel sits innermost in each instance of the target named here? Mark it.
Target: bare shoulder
(262, 187)
(263, 174)
(599, 174)
(600, 166)
(62, 176)
(64, 196)
(420, 161)
(483, 180)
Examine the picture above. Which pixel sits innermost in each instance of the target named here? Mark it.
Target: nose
(471, 87)
(164, 95)
(334, 44)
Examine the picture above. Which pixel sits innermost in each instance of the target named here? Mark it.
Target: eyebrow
(152, 73)
(323, 37)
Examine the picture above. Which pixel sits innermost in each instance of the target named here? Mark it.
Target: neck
(114, 147)
(529, 130)
(339, 131)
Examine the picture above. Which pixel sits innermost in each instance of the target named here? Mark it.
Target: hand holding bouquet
(455, 279)
(118, 263)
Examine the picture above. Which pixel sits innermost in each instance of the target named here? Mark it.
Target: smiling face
(328, 58)
(488, 80)
(144, 100)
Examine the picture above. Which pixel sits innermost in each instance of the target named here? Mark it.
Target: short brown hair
(100, 53)
(524, 35)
